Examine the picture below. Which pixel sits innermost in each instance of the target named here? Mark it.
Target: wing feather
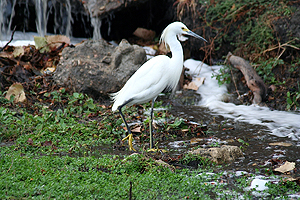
(145, 84)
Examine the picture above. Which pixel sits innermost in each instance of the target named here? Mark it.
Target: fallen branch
(254, 82)
(283, 47)
(11, 38)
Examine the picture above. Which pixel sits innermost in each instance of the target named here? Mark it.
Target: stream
(270, 134)
(227, 131)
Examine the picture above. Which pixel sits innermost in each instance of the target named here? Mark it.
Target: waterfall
(60, 10)
(41, 16)
(6, 10)
(95, 20)
(69, 18)
(62, 17)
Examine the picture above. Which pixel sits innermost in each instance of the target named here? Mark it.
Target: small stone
(219, 155)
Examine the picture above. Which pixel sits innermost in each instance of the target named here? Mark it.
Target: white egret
(158, 74)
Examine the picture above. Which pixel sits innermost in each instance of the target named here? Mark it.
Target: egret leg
(151, 123)
(129, 137)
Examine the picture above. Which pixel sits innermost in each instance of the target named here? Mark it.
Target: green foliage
(178, 123)
(251, 21)
(215, 144)
(104, 177)
(264, 69)
(244, 144)
(7, 124)
(196, 158)
(61, 129)
(223, 76)
(295, 65)
(283, 187)
(292, 99)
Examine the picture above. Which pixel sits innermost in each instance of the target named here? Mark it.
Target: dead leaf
(49, 70)
(4, 54)
(191, 86)
(233, 7)
(286, 167)
(196, 140)
(290, 179)
(195, 84)
(285, 144)
(272, 87)
(50, 42)
(136, 130)
(27, 66)
(17, 90)
(18, 51)
(166, 165)
(41, 43)
(55, 41)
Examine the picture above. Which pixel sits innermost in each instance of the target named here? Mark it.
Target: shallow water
(227, 131)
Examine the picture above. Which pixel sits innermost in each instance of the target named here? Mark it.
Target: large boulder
(97, 68)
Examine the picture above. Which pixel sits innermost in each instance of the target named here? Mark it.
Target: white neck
(176, 49)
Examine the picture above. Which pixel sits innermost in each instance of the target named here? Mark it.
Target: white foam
(25, 39)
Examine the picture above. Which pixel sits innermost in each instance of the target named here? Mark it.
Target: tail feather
(114, 97)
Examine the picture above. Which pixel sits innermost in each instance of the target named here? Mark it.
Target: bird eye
(184, 29)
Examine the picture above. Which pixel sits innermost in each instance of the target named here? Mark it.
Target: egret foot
(130, 139)
(157, 150)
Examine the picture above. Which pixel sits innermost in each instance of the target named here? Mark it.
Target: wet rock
(219, 155)
(102, 8)
(97, 68)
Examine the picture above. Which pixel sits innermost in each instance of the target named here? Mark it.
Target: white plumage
(156, 75)
(146, 83)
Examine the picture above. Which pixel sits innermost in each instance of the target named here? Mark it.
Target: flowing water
(270, 134)
(62, 16)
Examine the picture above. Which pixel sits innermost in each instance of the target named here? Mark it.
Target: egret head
(177, 28)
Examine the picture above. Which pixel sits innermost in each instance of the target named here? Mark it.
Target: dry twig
(11, 38)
